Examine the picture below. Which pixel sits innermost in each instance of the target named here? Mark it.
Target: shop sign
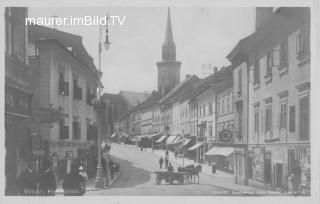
(278, 157)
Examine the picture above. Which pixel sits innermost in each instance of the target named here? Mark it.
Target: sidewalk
(222, 179)
(90, 184)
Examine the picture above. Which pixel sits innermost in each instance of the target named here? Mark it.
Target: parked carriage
(170, 177)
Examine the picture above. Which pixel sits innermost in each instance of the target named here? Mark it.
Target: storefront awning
(171, 139)
(222, 151)
(113, 135)
(154, 135)
(161, 139)
(186, 142)
(178, 140)
(196, 146)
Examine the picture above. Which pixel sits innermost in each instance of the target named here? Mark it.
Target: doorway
(267, 168)
(279, 175)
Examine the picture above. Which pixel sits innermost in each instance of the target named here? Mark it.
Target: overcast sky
(202, 36)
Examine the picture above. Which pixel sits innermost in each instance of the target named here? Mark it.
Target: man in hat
(72, 183)
(26, 182)
(47, 180)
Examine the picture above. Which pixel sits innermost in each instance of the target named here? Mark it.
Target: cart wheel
(158, 180)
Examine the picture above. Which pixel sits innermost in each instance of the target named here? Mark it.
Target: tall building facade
(168, 68)
(18, 146)
(274, 95)
(64, 82)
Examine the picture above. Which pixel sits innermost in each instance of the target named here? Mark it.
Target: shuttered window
(304, 117)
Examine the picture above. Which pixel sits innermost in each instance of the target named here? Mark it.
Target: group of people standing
(29, 183)
(167, 165)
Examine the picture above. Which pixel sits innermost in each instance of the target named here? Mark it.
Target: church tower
(168, 68)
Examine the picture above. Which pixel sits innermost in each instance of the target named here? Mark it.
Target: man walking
(166, 161)
(161, 162)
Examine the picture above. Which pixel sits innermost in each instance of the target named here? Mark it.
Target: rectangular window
(299, 44)
(257, 72)
(284, 53)
(218, 107)
(76, 130)
(222, 106)
(228, 104)
(64, 130)
(210, 130)
(256, 121)
(204, 109)
(292, 119)
(275, 60)
(269, 64)
(268, 118)
(283, 115)
(304, 117)
(210, 108)
(61, 83)
(240, 82)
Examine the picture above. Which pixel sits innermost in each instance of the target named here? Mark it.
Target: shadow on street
(130, 176)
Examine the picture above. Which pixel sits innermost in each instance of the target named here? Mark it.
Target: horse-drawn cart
(170, 177)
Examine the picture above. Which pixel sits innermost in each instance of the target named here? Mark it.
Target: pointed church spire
(168, 47)
(168, 37)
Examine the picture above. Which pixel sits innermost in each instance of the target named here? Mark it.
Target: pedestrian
(170, 168)
(27, 182)
(167, 154)
(161, 162)
(72, 183)
(104, 166)
(111, 168)
(296, 179)
(47, 180)
(214, 167)
(84, 175)
(166, 161)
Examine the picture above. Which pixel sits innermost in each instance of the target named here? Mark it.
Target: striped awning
(196, 146)
(161, 139)
(186, 142)
(178, 140)
(113, 135)
(171, 139)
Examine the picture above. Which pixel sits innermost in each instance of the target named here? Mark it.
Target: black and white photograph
(167, 100)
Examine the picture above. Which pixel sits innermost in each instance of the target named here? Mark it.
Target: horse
(195, 172)
(187, 169)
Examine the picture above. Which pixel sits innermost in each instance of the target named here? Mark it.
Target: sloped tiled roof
(187, 82)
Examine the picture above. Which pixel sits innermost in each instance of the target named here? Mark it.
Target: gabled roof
(223, 76)
(74, 42)
(285, 21)
(187, 82)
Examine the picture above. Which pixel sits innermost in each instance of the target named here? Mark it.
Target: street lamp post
(100, 181)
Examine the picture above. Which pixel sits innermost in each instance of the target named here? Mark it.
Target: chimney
(263, 14)
(215, 70)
